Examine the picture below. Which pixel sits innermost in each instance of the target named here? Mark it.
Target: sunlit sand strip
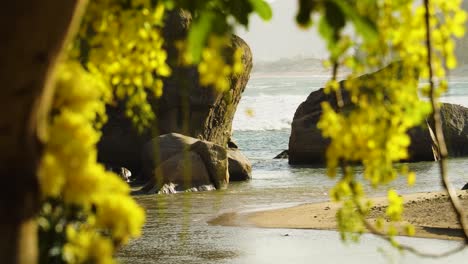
(431, 213)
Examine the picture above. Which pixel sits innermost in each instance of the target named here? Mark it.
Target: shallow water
(177, 231)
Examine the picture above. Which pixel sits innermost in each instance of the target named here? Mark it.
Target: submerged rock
(172, 188)
(184, 164)
(283, 155)
(124, 173)
(240, 168)
(232, 144)
(465, 187)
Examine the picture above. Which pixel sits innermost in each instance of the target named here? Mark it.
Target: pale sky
(281, 37)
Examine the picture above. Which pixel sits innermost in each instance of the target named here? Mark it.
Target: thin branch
(411, 249)
(338, 93)
(372, 229)
(439, 133)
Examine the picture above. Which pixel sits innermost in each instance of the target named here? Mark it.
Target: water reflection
(177, 231)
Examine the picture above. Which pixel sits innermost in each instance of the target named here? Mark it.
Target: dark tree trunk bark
(32, 36)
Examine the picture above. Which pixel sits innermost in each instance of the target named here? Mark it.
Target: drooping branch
(373, 230)
(439, 133)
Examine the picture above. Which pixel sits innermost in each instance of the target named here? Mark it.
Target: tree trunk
(33, 33)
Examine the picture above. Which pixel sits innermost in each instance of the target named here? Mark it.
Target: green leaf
(198, 34)
(331, 23)
(304, 14)
(335, 18)
(241, 10)
(362, 24)
(262, 8)
(325, 30)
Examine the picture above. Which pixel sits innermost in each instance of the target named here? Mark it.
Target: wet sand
(431, 213)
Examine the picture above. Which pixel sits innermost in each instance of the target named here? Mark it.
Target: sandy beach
(431, 213)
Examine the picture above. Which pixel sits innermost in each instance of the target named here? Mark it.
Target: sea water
(176, 230)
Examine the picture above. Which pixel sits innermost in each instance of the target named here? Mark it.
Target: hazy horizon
(281, 37)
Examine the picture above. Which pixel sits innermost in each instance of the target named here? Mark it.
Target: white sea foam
(459, 100)
(272, 102)
(268, 112)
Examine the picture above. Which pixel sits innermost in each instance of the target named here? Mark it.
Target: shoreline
(431, 214)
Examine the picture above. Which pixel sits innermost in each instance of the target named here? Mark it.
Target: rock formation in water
(185, 107)
(455, 124)
(174, 162)
(283, 155)
(307, 146)
(240, 168)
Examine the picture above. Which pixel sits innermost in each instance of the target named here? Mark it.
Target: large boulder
(455, 126)
(240, 168)
(183, 171)
(307, 146)
(215, 158)
(185, 107)
(184, 163)
(160, 149)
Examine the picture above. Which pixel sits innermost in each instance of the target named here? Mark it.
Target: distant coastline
(299, 67)
(298, 74)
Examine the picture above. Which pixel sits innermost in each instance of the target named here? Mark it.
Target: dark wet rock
(465, 187)
(283, 155)
(231, 144)
(307, 146)
(240, 168)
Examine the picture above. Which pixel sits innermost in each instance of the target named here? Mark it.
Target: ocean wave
(459, 100)
(270, 105)
(266, 112)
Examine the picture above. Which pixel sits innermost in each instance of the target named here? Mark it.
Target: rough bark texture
(185, 107)
(33, 33)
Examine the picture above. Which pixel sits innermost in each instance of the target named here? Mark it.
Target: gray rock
(124, 173)
(215, 159)
(181, 172)
(161, 148)
(168, 188)
(187, 163)
(455, 126)
(240, 168)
